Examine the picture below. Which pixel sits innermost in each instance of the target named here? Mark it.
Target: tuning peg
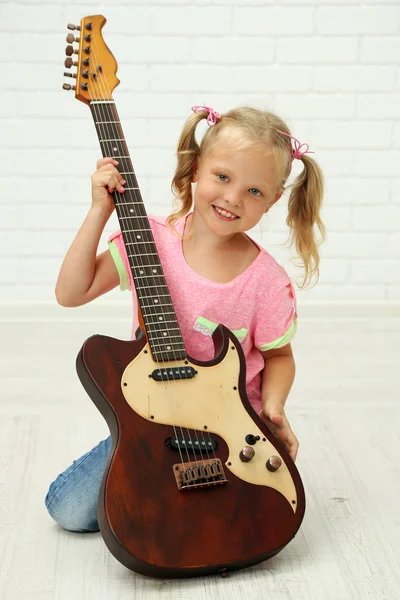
(72, 26)
(70, 75)
(70, 63)
(69, 51)
(71, 38)
(66, 86)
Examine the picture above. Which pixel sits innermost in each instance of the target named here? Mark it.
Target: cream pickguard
(208, 402)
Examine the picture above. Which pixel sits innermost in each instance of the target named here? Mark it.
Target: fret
(170, 354)
(171, 312)
(166, 349)
(106, 122)
(146, 287)
(147, 297)
(147, 254)
(160, 317)
(157, 305)
(149, 329)
(134, 243)
(115, 140)
(166, 343)
(159, 337)
(162, 341)
(128, 173)
(126, 203)
(165, 340)
(102, 102)
(153, 266)
(132, 230)
(151, 323)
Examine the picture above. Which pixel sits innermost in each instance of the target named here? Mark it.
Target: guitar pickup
(173, 373)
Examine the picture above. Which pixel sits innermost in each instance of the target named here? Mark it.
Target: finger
(293, 451)
(106, 161)
(277, 420)
(114, 184)
(111, 171)
(293, 446)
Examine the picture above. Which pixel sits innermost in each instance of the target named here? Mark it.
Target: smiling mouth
(225, 213)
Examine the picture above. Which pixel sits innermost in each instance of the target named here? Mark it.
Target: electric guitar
(196, 483)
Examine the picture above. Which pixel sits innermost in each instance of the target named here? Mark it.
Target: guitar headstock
(96, 66)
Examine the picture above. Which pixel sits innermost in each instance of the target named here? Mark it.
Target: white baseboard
(101, 311)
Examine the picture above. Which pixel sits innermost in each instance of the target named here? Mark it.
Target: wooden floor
(344, 408)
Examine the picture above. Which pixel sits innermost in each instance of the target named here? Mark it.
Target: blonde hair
(248, 127)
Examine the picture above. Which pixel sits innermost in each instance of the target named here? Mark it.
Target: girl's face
(241, 183)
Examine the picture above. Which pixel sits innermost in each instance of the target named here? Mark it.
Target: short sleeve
(277, 323)
(117, 249)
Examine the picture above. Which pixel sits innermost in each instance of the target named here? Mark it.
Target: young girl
(214, 271)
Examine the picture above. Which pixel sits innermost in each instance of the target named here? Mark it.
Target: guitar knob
(247, 453)
(71, 38)
(70, 75)
(68, 87)
(69, 51)
(70, 63)
(273, 463)
(72, 26)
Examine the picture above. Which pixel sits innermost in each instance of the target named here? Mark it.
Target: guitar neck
(162, 329)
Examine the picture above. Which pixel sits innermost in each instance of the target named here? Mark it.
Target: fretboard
(158, 313)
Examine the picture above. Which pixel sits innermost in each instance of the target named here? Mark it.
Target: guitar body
(148, 523)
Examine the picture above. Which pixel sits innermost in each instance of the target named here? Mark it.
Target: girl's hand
(274, 417)
(104, 181)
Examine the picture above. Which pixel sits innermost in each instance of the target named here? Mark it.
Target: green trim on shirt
(119, 263)
(210, 327)
(283, 340)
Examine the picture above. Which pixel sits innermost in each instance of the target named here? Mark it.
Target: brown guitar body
(150, 525)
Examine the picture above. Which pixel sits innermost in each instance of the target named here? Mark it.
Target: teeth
(224, 213)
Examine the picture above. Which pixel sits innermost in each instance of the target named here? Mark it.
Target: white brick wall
(330, 69)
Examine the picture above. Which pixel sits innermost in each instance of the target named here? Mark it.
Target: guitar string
(123, 211)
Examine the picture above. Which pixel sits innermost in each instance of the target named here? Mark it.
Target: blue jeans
(72, 497)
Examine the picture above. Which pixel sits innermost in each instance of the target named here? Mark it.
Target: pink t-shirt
(258, 306)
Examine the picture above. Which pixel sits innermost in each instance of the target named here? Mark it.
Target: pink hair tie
(213, 115)
(296, 151)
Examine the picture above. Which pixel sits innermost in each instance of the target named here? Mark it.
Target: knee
(70, 512)
(73, 497)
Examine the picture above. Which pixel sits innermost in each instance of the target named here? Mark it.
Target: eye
(251, 190)
(220, 175)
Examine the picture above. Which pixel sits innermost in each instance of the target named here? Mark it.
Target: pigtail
(304, 206)
(187, 153)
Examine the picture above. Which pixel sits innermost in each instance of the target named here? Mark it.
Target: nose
(233, 197)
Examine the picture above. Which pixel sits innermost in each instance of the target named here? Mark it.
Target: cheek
(206, 191)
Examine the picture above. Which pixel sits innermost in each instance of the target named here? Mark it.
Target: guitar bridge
(199, 473)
